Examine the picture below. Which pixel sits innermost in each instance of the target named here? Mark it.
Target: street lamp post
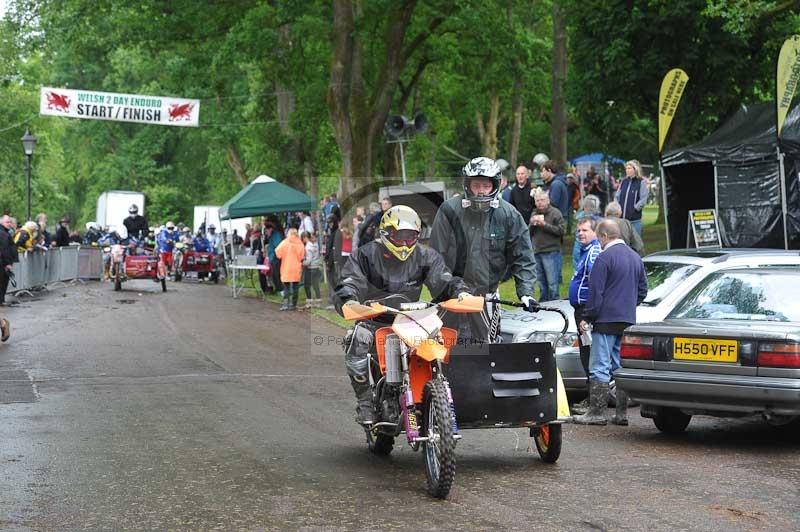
(28, 144)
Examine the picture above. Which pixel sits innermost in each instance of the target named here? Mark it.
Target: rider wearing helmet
(213, 237)
(166, 243)
(200, 243)
(480, 238)
(93, 234)
(167, 237)
(392, 268)
(135, 224)
(186, 236)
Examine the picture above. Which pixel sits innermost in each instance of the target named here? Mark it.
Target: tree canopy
(300, 89)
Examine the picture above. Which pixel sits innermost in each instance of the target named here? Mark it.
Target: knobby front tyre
(440, 448)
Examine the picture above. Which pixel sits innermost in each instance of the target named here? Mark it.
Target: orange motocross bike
(410, 375)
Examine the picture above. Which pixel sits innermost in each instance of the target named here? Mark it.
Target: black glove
(529, 304)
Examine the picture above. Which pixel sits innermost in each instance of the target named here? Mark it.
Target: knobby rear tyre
(440, 449)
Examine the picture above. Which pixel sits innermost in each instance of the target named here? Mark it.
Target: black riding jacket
(482, 246)
(136, 226)
(373, 273)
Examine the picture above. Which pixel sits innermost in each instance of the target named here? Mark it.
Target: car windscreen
(757, 295)
(663, 278)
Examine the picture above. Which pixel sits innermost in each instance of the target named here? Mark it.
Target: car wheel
(671, 421)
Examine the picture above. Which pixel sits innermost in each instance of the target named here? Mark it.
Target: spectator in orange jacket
(291, 252)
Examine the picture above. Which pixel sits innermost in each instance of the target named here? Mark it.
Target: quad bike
(427, 386)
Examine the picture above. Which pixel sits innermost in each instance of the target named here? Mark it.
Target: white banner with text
(93, 105)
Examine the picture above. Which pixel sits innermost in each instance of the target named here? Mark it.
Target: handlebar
(536, 308)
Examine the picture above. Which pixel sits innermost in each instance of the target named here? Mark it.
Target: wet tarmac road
(191, 410)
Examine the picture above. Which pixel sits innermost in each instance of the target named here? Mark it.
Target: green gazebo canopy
(265, 196)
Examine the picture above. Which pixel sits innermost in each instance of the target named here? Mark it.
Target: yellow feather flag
(788, 77)
(668, 99)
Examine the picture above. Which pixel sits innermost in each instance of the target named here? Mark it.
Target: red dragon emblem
(59, 102)
(180, 111)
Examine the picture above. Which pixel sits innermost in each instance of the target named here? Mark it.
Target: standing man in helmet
(166, 244)
(395, 268)
(480, 237)
(213, 237)
(136, 225)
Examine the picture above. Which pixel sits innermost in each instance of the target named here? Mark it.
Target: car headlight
(568, 340)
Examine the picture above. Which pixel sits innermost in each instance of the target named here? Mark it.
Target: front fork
(410, 417)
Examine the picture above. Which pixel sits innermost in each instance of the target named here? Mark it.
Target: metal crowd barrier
(38, 268)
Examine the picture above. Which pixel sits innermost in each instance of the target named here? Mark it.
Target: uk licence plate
(706, 350)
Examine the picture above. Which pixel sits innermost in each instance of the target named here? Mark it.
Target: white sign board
(93, 105)
(112, 206)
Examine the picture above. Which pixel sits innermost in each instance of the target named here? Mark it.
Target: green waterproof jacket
(481, 246)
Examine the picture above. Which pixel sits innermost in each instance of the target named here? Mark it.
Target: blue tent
(595, 158)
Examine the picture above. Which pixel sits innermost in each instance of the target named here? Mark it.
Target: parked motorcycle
(410, 374)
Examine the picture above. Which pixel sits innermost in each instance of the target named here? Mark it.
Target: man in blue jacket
(555, 184)
(618, 284)
(579, 286)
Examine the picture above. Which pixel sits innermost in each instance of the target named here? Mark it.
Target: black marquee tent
(743, 171)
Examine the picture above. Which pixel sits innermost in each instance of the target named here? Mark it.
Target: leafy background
(262, 71)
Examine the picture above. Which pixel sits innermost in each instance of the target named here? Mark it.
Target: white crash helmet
(481, 168)
(539, 159)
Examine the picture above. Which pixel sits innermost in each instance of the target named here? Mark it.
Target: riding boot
(365, 413)
(598, 402)
(621, 415)
(292, 300)
(582, 407)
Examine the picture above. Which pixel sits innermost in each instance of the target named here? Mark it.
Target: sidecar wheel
(548, 442)
(440, 448)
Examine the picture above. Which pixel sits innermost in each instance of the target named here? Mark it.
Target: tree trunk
(516, 119)
(487, 131)
(517, 105)
(558, 126)
(236, 164)
(358, 117)
(339, 85)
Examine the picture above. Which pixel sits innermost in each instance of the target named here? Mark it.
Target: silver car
(731, 347)
(670, 276)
